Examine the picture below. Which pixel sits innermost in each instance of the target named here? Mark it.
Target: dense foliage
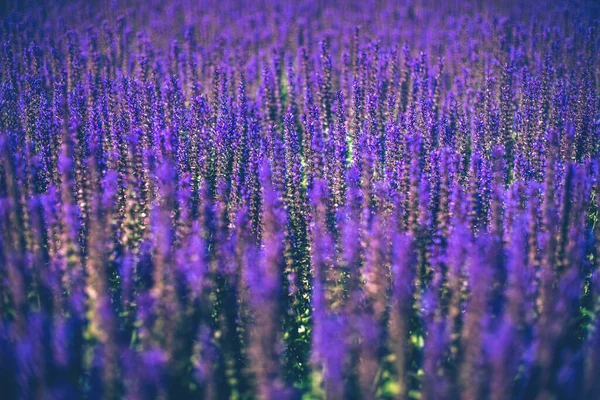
(358, 199)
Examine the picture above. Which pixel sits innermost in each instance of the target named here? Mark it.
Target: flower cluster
(316, 200)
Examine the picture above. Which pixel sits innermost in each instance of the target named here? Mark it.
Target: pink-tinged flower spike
(496, 229)
(322, 252)
(292, 91)
(42, 277)
(504, 351)
(556, 353)
(435, 382)
(264, 281)
(508, 342)
(459, 245)
(586, 115)
(325, 90)
(328, 351)
(226, 300)
(549, 226)
(522, 269)
(477, 193)
(70, 251)
(316, 166)
(146, 374)
(393, 160)
(350, 266)
(74, 61)
(374, 129)
(162, 234)
(252, 191)
(223, 131)
(370, 318)
(443, 215)
(507, 119)
(339, 138)
(422, 85)
(414, 178)
(122, 163)
(422, 234)
(297, 257)
(334, 352)
(13, 233)
(94, 62)
(270, 103)
(437, 89)
(403, 274)
(100, 312)
(183, 221)
(234, 304)
(279, 89)
(574, 209)
(175, 118)
(306, 70)
(240, 152)
(357, 110)
(276, 153)
(473, 375)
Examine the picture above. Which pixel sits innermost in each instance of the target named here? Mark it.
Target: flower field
(300, 200)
